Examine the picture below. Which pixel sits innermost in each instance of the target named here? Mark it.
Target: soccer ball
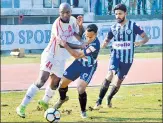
(52, 115)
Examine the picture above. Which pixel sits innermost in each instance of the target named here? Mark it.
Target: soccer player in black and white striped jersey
(123, 34)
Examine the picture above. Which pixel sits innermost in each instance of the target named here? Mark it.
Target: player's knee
(54, 81)
(41, 81)
(55, 87)
(40, 84)
(109, 75)
(80, 89)
(44, 78)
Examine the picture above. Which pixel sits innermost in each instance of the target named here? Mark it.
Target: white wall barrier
(37, 36)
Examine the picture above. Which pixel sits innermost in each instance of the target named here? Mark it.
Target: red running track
(20, 76)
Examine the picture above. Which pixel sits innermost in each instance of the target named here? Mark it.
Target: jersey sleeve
(91, 49)
(109, 34)
(137, 29)
(54, 29)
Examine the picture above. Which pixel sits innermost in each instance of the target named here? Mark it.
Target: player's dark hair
(92, 27)
(120, 7)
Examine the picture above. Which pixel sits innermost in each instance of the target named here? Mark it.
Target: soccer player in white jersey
(123, 34)
(54, 56)
(83, 67)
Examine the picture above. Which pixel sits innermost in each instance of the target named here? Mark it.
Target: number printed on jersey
(49, 65)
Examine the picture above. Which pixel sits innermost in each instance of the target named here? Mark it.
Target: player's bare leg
(32, 90)
(104, 89)
(62, 91)
(116, 86)
(81, 86)
(49, 92)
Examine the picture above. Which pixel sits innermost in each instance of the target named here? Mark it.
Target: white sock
(48, 94)
(29, 94)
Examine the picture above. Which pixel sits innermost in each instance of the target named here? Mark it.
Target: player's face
(65, 14)
(90, 36)
(120, 16)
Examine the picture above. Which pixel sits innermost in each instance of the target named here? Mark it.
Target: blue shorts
(120, 68)
(76, 69)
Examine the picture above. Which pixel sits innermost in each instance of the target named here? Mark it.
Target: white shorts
(52, 64)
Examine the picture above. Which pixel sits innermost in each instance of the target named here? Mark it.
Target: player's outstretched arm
(74, 53)
(79, 22)
(107, 39)
(74, 46)
(144, 40)
(78, 37)
(105, 43)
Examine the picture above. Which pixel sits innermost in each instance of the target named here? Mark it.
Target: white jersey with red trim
(64, 31)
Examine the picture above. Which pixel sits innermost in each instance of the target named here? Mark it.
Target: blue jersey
(123, 40)
(90, 58)
(84, 67)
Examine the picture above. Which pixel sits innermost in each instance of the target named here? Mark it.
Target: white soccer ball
(52, 115)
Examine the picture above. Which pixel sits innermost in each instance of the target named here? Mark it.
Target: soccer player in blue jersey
(123, 34)
(84, 67)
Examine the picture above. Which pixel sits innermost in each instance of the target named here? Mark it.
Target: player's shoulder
(56, 21)
(95, 43)
(97, 40)
(72, 19)
(133, 22)
(113, 26)
(136, 24)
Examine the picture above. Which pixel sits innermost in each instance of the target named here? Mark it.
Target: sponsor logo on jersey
(121, 45)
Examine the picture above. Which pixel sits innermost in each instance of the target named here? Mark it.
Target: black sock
(103, 90)
(62, 92)
(83, 101)
(113, 92)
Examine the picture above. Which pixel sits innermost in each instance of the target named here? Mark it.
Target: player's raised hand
(79, 20)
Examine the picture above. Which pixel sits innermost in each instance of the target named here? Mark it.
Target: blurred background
(27, 23)
(25, 32)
